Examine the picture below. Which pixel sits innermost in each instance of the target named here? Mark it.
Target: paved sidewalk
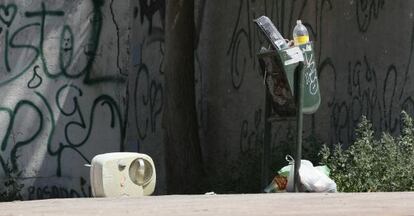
(253, 204)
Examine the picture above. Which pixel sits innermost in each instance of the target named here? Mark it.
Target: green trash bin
(278, 68)
(285, 72)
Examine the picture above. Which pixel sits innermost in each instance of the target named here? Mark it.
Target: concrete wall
(62, 82)
(146, 84)
(89, 77)
(364, 64)
(364, 54)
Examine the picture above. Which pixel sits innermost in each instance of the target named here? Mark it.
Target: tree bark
(185, 171)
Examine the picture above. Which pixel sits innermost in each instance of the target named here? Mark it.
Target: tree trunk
(185, 172)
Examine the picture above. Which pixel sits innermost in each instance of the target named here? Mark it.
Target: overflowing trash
(290, 73)
(312, 179)
(272, 34)
(300, 34)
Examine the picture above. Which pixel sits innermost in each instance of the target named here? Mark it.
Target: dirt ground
(245, 204)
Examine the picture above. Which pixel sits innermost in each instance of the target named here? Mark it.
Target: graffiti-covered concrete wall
(364, 57)
(146, 83)
(83, 77)
(62, 81)
(363, 51)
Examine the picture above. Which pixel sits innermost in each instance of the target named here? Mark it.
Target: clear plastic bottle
(300, 34)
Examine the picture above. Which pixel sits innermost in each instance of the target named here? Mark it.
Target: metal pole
(266, 140)
(299, 123)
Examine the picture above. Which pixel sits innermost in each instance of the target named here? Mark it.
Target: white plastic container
(122, 174)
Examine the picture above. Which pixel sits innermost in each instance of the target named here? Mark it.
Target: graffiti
(73, 140)
(35, 51)
(36, 80)
(43, 13)
(50, 192)
(368, 95)
(252, 137)
(148, 82)
(149, 8)
(246, 39)
(380, 94)
(54, 191)
(69, 105)
(366, 10)
(56, 75)
(241, 40)
(148, 58)
(12, 113)
(311, 78)
(8, 13)
(66, 48)
(149, 96)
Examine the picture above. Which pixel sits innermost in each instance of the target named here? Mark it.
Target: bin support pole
(266, 140)
(299, 123)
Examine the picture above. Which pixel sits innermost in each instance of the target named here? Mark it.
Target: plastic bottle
(300, 34)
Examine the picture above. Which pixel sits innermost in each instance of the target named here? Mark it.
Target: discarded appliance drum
(122, 174)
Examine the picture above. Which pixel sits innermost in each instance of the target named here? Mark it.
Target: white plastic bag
(314, 180)
(311, 178)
